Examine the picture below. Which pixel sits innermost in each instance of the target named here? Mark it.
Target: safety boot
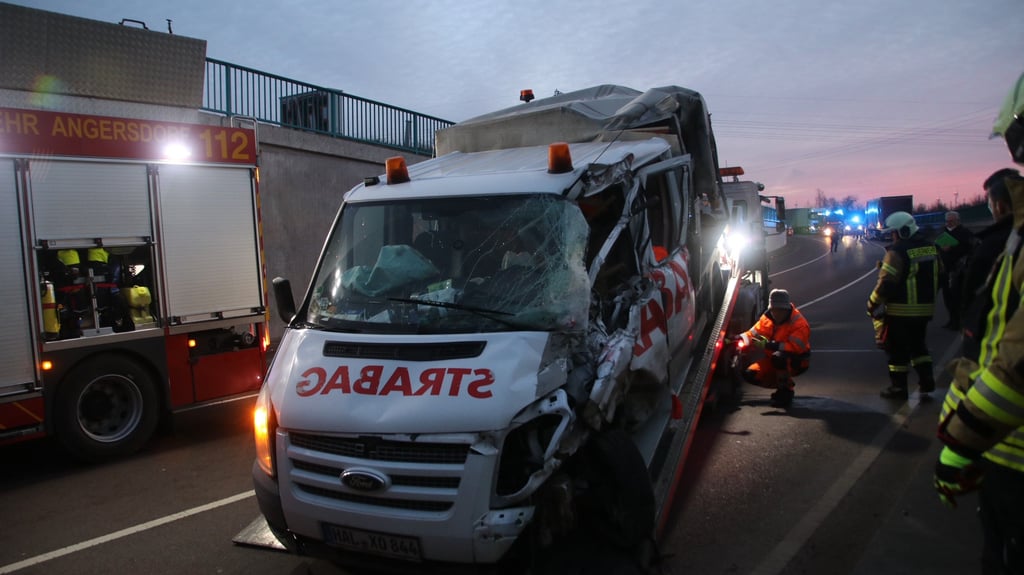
(894, 392)
(783, 396)
(925, 377)
(897, 386)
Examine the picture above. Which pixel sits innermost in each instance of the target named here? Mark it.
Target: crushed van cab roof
(516, 170)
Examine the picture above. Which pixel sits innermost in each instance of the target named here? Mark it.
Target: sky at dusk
(868, 98)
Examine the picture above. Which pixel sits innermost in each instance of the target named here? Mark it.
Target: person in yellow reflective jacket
(904, 299)
(982, 419)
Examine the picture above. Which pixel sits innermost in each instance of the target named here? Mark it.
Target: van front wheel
(618, 504)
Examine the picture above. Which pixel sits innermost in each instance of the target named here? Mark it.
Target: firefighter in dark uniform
(905, 297)
(982, 421)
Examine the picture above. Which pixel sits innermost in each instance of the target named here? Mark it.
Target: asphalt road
(840, 483)
(837, 484)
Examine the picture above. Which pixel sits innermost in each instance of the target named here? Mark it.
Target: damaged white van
(507, 345)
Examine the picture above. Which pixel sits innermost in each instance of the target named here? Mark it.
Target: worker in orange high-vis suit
(785, 338)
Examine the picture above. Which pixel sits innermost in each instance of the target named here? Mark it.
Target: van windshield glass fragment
(455, 265)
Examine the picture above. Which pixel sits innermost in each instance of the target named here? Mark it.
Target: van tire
(106, 407)
(618, 505)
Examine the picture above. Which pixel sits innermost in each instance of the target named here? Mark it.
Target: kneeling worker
(785, 336)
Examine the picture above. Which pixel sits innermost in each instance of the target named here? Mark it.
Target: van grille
(375, 449)
(411, 504)
(424, 477)
(404, 480)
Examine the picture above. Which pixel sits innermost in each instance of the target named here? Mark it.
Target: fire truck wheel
(618, 506)
(106, 407)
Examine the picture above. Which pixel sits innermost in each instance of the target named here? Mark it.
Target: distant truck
(802, 220)
(747, 230)
(880, 208)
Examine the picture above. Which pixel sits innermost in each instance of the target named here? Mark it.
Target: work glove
(759, 341)
(955, 475)
(881, 333)
(772, 346)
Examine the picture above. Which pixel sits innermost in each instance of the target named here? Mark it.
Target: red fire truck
(134, 277)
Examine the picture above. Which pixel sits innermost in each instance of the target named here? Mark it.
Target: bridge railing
(238, 91)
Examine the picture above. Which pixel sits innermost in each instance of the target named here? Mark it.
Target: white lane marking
(123, 533)
(797, 537)
(824, 255)
(835, 291)
(873, 270)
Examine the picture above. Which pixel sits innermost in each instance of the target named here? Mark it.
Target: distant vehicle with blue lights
(854, 224)
(878, 209)
(831, 223)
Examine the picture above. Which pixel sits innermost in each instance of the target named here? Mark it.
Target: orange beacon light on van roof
(559, 158)
(396, 170)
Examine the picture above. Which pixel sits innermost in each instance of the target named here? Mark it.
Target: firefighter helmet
(1010, 122)
(902, 223)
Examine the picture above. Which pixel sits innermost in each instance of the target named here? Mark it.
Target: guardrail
(239, 91)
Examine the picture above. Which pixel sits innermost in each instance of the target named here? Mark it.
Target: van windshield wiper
(306, 325)
(322, 327)
(450, 305)
(491, 314)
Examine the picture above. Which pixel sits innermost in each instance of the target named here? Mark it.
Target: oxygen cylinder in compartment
(51, 323)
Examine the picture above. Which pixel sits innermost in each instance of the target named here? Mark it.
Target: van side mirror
(283, 299)
(780, 208)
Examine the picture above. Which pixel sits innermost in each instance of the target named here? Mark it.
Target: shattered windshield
(455, 265)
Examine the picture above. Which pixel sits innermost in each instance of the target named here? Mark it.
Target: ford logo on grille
(364, 479)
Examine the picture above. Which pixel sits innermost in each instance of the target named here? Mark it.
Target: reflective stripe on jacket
(908, 279)
(793, 335)
(983, 412)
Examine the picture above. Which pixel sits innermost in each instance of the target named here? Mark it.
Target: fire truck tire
(106, 407)
(618, 506)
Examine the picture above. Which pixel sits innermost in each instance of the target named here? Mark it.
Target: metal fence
(238, 91)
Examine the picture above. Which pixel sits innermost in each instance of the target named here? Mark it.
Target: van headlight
(264, 430)
(528, 452)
